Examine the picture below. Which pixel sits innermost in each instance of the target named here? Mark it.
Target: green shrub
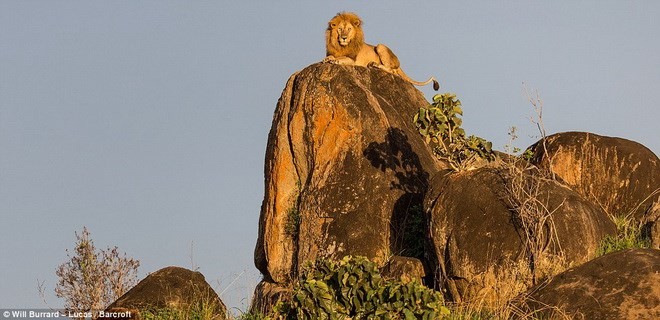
(293, 218)
(440, 124)
(629, 236)
(292, 223)
(353, 288)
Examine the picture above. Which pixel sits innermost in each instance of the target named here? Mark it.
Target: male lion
(344, 43)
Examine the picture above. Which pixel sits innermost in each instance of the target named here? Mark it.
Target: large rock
(266, 295)
(344, 166)
(345, 174)
(620, 175)
(619, 285)
(479, 244)
(172, 288)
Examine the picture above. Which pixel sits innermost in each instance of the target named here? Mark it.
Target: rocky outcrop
(344, 168)
(620, 175)
(481, 244)
(346, 173)
(619, 285)
(172, 288)
(651, 225)
(266, 295)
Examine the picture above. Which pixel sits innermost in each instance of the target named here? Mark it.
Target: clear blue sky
(146, 121)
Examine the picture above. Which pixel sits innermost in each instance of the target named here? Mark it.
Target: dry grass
(502, 293)
(201, 305)
(534, 218)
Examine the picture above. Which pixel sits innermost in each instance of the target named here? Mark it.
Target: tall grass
(629, 235)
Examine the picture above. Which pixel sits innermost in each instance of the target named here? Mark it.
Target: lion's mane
(332, 45)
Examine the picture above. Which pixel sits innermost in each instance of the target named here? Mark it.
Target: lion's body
(344, 42)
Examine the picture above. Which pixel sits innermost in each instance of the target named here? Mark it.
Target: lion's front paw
(330, 59)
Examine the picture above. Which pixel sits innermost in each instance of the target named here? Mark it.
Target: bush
(92, 279)
(353, 288)
(440, 124)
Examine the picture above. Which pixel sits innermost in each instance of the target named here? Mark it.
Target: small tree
(440, 124)
(92, 279)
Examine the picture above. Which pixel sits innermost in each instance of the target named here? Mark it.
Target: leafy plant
(293, 218)
(292, 223)
(440, 124)
(352, 288)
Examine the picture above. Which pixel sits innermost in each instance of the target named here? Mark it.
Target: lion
(344, 41)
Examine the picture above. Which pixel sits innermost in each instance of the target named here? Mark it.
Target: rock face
(404, 269)
(619, 285)
(346, 173)
(344, 169)
(651, 225)
(620, 175)
(171, 288)
(480, 244)
(266, 295)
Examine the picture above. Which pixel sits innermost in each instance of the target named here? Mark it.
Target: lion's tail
(436, 85)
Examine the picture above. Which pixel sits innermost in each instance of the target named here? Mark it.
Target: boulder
(620, 175)
(651, 225)
(266, 295)
(344, 169)
(404, 269)
(171, 288)
(480, 247)
(619, 285)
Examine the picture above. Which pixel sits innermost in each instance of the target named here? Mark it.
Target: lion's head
(344, 36)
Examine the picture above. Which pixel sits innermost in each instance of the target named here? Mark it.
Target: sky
(147, 121)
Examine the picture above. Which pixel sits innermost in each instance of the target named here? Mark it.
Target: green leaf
(444, 311)
(356, 303)
(409, 314)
